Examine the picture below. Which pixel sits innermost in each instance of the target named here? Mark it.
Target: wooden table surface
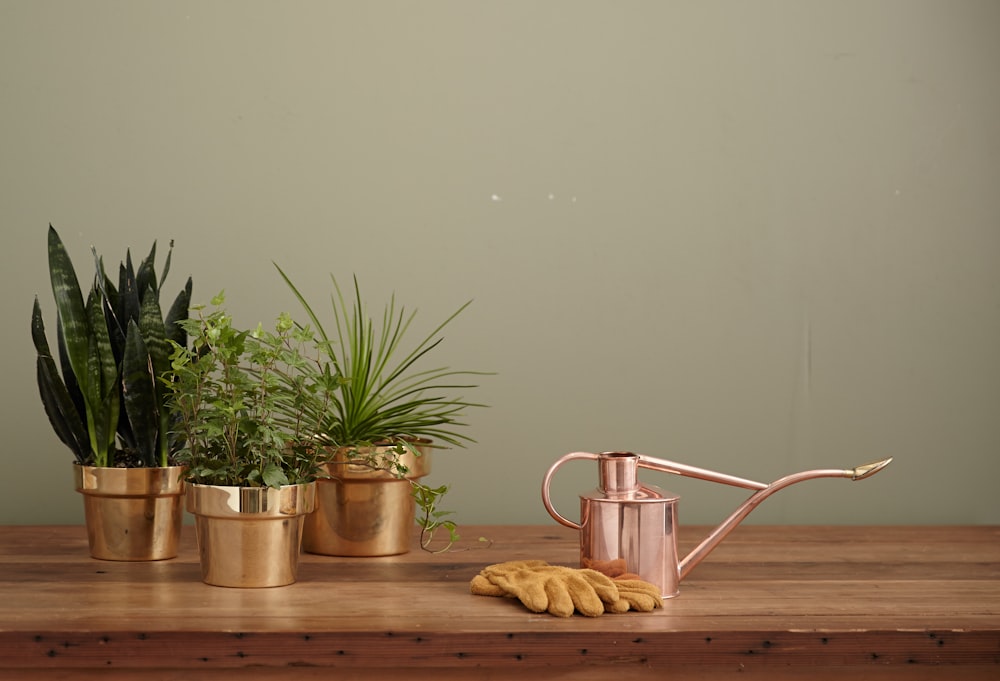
(781, 602)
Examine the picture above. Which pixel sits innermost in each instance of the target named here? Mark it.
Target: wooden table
(777, 602)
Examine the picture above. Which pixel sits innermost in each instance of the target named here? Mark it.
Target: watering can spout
(869, 469)
(686, 564)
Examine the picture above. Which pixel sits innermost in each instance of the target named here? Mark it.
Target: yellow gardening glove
(640, 595)
(552, 588)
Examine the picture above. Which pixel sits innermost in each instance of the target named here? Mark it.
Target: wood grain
(789, 602)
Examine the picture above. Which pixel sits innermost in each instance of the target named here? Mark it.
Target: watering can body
(635, 535)
(628, 528)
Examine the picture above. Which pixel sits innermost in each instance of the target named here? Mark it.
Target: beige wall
(752, 236)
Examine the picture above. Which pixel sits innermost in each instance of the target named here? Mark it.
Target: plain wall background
(758, 237)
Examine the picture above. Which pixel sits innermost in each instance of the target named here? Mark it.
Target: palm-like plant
(382, 403)
(107, 403)
(382, 397)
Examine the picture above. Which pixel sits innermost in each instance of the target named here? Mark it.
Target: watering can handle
(572, 456)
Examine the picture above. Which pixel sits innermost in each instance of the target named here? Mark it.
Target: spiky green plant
(382, 395)
(104, 398)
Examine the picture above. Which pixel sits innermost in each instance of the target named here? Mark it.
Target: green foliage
(103, 398)
(242, 402)
(430, 518)
(382, 395)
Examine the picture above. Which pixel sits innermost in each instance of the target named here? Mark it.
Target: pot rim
(233, 502)
(129, 482)
(339, 467)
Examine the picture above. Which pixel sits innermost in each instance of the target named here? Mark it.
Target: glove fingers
(560, 601)
(641, 595)
(605, 588)
(618, 607)
(481, 586)
(557, 590)
(526, 587)
(583, 595)
(517, 578)
(641, 602)
(640, 586)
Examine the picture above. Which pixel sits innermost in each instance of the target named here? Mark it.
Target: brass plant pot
(131, 513)
(250, 536)
(363, 511)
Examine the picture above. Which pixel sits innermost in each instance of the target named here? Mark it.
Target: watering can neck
(617, 474)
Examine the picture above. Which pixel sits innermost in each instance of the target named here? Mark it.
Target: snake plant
(104, 397)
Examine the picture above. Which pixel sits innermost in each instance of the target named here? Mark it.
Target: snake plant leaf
(63, 414)
(154, 333)
(65, 420)
(145, 276)
(157, 347)
(101, 391)
(69, 378)
(126, 310)
(166, 266)
(128, 295)
(139, 395)
(116, 337)
(109, 300)
(178, 311)
(82, 346)
(38, 338)
(75, 331)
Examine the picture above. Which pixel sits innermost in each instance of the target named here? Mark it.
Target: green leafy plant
(382, 395)
(103, 398)
(244, 407)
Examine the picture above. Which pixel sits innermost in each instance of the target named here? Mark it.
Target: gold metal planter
(250, 536)
(363, 511)
(131, 513)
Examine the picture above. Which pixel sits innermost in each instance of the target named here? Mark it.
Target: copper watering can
(628, 527)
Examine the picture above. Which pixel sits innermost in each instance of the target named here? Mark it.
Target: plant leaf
(273, 476)
(178, 311)
(139, 395)
(145, 276)
(59, 408)
(74, 330)
(105, 396)
(69, 378)
(63, 414)
(158, 347)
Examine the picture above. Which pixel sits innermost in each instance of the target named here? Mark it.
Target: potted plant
(104, 401)
(385, 416)
(243, 413)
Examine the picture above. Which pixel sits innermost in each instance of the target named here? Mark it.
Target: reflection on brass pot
(363, 511)
(250, 536)
(131, 513)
